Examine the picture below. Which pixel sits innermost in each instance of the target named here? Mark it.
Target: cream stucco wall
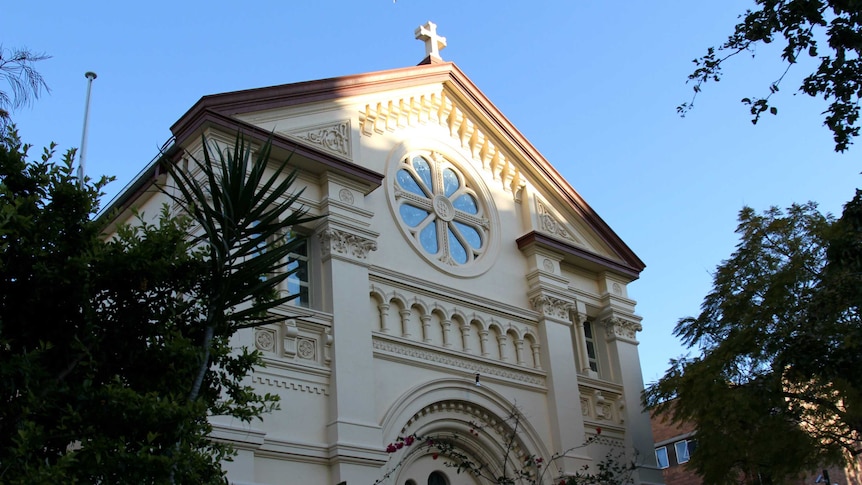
(392, 343)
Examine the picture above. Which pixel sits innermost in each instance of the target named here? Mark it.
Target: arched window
(437, 478)
(443, 213)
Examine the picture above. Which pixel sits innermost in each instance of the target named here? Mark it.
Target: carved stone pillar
(537, 357)
(405, 322)
(426, 328)
(465, 337)
(483, 341)
(447, 328)
(555, 327)
(383, 308)
(353, 432)
(621, 331)
(519, 351)
(501, 343)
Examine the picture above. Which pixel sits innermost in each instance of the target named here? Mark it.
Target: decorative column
(353, 434)
(621, 331)
(447, 328)
(564, 403)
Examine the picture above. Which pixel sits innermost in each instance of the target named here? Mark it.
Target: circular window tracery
(441, 209)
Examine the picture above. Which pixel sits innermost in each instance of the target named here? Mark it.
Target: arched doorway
(426, 470)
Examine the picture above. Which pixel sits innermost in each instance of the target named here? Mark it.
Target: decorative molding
(264, 339)
(548, 223)
(552, 306)
(306, 348)
(439, 108)
(341, 242)
(461, 363)
(618, 328)
(346, 196)
(334, 138)
(290, 385)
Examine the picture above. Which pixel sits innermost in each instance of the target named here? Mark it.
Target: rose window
(442, 213)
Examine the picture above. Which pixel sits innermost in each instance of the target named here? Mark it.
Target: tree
(509, 469)
(16, 67)
(775, 391)
(828, 30)
(116, 351)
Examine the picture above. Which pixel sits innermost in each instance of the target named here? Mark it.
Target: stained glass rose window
(442, 212)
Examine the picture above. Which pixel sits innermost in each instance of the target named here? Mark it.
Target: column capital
(338, 242)
(622, 329)
(552, 306)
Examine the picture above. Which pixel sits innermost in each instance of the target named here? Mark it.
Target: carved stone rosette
(621, 329)
(553, 307)
(334, 241)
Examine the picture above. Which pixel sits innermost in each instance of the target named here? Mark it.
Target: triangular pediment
(437, 94)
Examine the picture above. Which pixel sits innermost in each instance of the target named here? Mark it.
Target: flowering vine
(532, 470)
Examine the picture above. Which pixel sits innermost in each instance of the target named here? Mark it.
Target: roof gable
(454, 102)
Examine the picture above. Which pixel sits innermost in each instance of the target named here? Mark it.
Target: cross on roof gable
(433, 42)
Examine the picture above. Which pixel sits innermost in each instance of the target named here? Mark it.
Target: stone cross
(433, 42)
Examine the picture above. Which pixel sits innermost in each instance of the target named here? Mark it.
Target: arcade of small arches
(455, 330)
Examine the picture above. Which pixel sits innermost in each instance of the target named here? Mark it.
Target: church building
(455, 282)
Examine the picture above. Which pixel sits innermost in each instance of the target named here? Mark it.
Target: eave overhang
(579, 257)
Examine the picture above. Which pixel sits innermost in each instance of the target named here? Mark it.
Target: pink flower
(598, 430)
(391, 448)
(409, 440)
(399, 445)
(435, 455)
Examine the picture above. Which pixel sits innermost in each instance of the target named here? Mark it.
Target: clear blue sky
(593, 85)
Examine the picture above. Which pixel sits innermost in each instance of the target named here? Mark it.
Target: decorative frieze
(549, 224)
(334, 138)
(334, 241)
(452, 361)
(281, 383)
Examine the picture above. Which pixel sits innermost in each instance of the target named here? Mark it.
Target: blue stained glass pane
(467, 204)
(412, 215)
(456, 250)
(428, 238)
(450, 182)
(408, 183)
(470, 234)
(424, 171)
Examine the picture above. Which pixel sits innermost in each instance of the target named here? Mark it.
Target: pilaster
(354, 437)
(558, 359)
(621, 332)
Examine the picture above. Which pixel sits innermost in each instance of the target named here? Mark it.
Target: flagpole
(90, 75)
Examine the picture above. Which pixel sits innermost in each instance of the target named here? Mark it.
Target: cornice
(580, 256)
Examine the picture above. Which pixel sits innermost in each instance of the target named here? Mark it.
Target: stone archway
(425, 470)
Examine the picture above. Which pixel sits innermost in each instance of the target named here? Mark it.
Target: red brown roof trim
(231, 125)
(542, 240)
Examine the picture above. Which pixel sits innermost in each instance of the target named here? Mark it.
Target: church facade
(456, 278)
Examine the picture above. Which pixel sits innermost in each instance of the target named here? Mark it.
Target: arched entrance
(427, 471)
(473, 422)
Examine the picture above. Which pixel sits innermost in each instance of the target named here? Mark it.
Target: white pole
(90, 75)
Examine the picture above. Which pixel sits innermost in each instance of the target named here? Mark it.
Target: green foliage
(116, 352)
(828, 30)
(25, 82)
(776, 389)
